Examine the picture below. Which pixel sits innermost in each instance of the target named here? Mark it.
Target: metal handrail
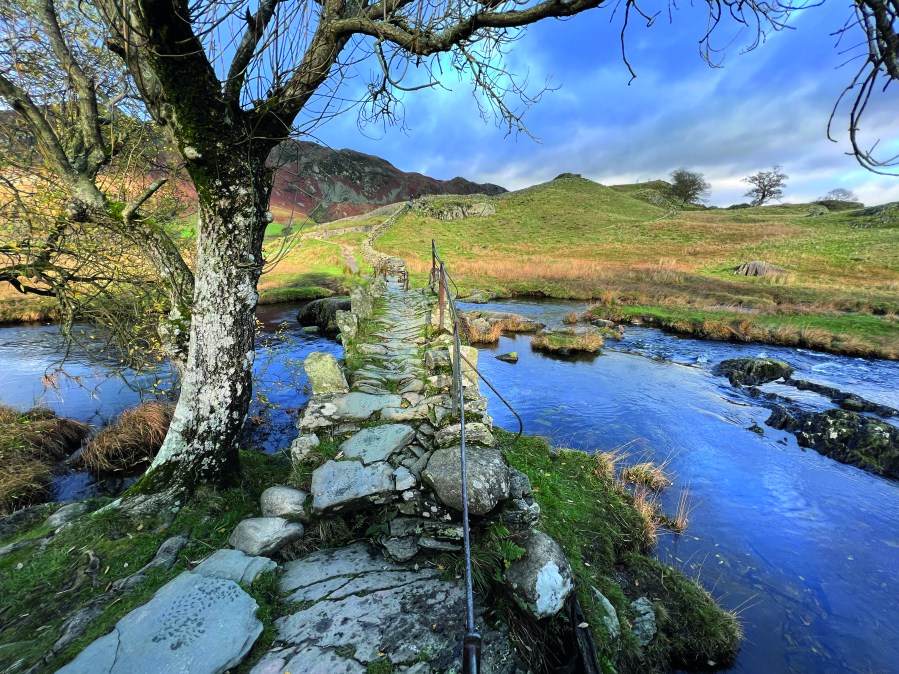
(471, 655)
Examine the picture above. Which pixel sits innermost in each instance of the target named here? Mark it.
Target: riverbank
(835, 283)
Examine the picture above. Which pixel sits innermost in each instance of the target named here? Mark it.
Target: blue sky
(763, 107)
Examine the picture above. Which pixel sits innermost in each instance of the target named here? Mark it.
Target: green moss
(605, 540)
(381, 666)
(45, 590)
(282, 295)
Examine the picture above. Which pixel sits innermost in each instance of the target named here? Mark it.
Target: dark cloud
(768, 106)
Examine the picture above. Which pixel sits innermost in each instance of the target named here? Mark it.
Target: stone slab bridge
(392, 411)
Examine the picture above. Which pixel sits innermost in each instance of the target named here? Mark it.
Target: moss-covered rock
(753, 371)
(846, 436)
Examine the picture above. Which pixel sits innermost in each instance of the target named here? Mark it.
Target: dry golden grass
(566, 342)
(130, 441)
(646, 474)
(681, 519)
(30, 444)
(646, 504)
(475, 336)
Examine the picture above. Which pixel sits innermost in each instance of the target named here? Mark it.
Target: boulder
(323, 313)
(347, 323)
(511, 357)
(753, 371)
(541, 579)
(362, 302)
(325, 375)
(287, 502)
(758, 268)
(264, 535)
(235, 565)
(66, 514)
(378, 443)
(476, 433)
(347, 485)
(488, 478)
(195, 623)
(644, 623)
(846, 436)
(610, 617)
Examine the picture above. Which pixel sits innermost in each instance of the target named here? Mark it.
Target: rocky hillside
(333, 184)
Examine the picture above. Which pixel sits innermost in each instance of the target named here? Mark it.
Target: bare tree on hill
(228, 81)
(766, 185)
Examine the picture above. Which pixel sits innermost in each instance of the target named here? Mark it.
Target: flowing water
(35, 369)
(805, 548)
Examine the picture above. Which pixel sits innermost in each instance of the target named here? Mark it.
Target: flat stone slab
(264, 535)
(234, 565)
(377, 443)
(344, 485)
(360, 406)
(326, 564)
(377, 610)
(195, 623)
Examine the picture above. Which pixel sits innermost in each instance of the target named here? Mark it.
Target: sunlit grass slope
(629, 259)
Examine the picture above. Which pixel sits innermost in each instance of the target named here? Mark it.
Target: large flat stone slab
(377, 443)
(234, 565)
(377, 610)
(345, 485)
(195, 623)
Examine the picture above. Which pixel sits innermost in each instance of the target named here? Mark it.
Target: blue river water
(805, 549)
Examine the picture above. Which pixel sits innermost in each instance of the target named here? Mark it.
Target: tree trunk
(216, 386)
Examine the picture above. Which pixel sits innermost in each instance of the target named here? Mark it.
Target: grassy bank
(40, 589)
(572, 238)
(609, 543)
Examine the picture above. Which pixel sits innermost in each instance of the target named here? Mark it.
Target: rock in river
(753, 371)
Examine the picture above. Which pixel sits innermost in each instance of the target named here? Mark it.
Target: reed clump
(130, 441)
(31, 444)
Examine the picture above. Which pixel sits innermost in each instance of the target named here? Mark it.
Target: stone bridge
(389, 417)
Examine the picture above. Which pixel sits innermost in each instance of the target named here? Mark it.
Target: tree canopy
(766, 185)
(689, 186)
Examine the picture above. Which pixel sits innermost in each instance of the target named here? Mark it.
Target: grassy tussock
(646, 474)
(130, 441)
(564, 342)
(476, 336)
(30, 444)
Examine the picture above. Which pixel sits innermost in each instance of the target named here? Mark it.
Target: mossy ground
(606, 541)
(37, 597)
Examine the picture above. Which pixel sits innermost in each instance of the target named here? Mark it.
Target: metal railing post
(441, 294)
(433, 261)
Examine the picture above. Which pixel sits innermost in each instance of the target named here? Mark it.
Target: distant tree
(689, 186)
(840, 194)
(766, 185)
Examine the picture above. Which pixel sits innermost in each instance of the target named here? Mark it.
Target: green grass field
(627, 258)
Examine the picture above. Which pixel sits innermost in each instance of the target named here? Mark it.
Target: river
(804, 548)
